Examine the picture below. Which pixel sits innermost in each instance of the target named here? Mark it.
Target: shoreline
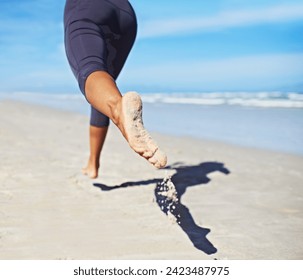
(247, 128)
(236, 202)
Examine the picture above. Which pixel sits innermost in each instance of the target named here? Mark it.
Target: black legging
(99, 35)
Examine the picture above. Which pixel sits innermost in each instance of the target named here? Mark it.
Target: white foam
(198, 101)
(262, 99)
(254, 99)
(278, 103)
(295, 96)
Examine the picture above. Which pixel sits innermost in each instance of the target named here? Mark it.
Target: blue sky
(182, 45)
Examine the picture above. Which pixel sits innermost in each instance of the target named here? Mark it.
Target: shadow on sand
(184, 177)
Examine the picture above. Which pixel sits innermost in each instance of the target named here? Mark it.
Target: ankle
(92, 161)
(117, 114)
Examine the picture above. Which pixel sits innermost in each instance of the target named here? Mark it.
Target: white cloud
(222, 20)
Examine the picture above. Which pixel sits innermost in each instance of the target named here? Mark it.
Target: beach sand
(232, 202)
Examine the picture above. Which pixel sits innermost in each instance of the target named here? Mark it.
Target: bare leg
(126, 113)
(97, 137)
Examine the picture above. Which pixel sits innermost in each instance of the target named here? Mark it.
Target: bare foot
(136, 135)
(91, 170)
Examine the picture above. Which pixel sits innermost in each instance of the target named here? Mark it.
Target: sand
(221, 201)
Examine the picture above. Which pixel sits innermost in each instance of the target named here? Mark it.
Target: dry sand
(229, 202)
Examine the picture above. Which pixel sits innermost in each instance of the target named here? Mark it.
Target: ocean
(267, 120)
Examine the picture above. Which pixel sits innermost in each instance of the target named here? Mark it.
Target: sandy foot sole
(137, 136)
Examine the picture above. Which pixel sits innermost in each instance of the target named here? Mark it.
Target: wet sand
(230, 202)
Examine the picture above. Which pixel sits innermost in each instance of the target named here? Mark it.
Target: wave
(256, 99)
(247, 99)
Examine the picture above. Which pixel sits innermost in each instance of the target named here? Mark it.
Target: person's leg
(83, 43)
(125, 112)
(97, 133)
(97, 137)
(96, 51)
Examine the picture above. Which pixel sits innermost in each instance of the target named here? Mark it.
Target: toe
(162, 158)
(159, 159)
(150, 152)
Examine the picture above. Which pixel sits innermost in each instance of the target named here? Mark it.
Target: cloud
(222, 20)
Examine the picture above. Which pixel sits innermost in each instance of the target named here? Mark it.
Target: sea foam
(248, 99)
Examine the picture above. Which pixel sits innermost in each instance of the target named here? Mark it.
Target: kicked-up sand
(213, 201)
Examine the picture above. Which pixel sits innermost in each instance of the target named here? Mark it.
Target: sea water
(268, 120)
